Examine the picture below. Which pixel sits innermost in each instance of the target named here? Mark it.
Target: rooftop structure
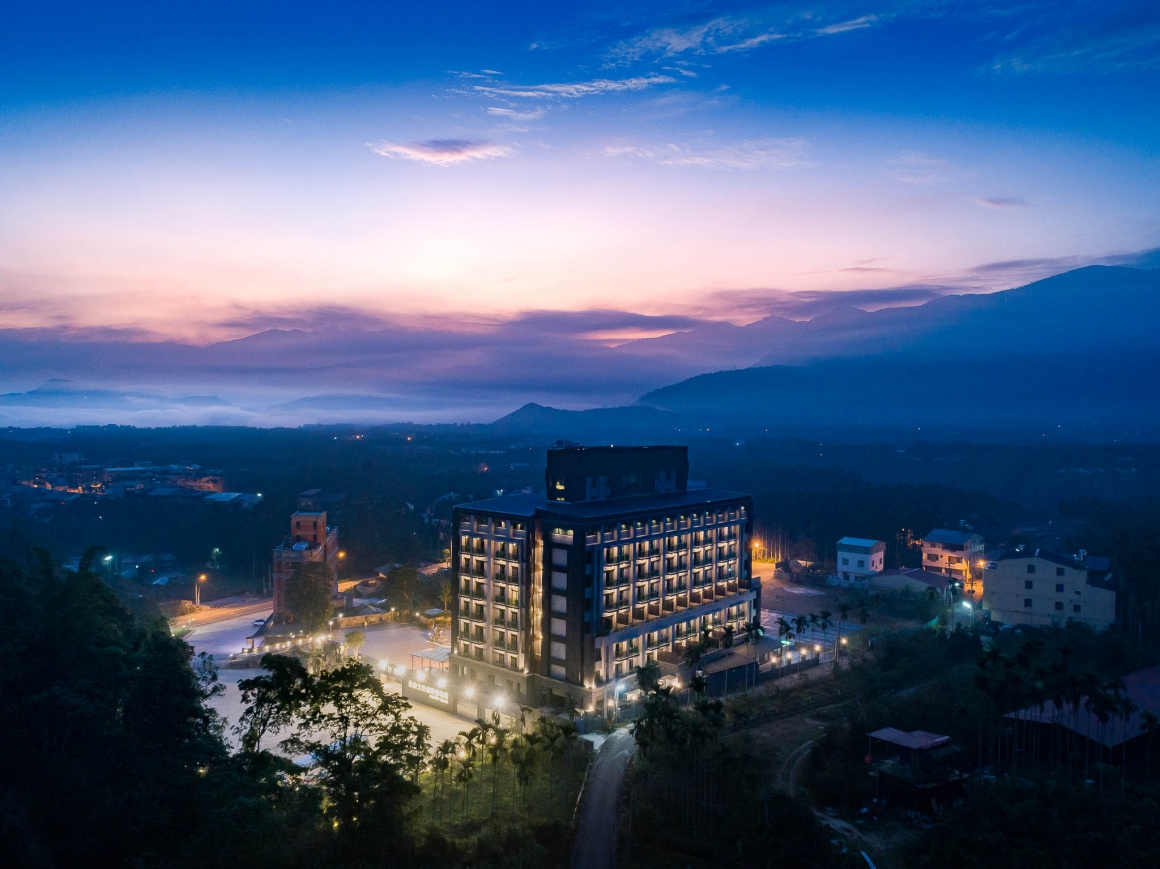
(918, 760)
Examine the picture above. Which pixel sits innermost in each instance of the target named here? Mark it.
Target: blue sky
(193, 170)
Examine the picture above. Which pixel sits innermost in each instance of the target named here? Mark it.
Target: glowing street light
(197, 591)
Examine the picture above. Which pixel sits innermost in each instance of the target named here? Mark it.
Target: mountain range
(1078, 351)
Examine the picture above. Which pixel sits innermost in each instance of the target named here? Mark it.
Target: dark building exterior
(558, 598)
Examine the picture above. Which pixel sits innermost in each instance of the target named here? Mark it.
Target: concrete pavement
(596, 822)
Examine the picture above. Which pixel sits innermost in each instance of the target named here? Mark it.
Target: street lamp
(971, 610)
(197, 591)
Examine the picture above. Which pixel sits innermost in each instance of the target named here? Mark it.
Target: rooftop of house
(1098, 567)
(936, 581)
(918, 740)
(1142, 686)
(945, 535)
(862, 542)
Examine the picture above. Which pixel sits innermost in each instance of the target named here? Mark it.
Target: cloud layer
(443, 152)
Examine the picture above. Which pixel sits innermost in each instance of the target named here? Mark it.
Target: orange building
(310, 540)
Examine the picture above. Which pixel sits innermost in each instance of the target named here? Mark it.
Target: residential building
(958, 554)
(857, 559)
(1037, 587)
(561, 596)
(310, 540)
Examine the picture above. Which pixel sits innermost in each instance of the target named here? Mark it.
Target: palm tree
(843, 615)
(784, 632)
(441, 762)
(496, 746)
(727, 637)
(523, 757)
(1126, 708)
(753, 632)
(824, 623)
(465, 758)
(1149, 724)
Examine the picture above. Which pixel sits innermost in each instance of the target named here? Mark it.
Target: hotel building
(560, 596)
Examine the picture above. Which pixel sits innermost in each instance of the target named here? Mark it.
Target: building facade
(561, 597)
(310, 540)
(1037, 587)
(956, 554)
(857, 559)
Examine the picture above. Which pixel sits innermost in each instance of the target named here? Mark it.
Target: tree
(404, 582)
(308, 593)
(843, 615)
(753, 632)
(272, 701)
(496, 748)
(1149, 724)
(523, 754)
(445, 594)
(355, 639)
(105, 724)
(368, 752)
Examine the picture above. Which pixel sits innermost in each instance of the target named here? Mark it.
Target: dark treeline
(1034, 789)
(113, 757)
(702, 794)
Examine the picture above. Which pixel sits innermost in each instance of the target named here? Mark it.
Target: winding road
(596, 821)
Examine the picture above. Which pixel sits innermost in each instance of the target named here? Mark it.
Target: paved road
(220, 611)
(600, 806)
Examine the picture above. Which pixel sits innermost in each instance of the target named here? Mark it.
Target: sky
(199, 172)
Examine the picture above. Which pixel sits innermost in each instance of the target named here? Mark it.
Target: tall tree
(308, 595)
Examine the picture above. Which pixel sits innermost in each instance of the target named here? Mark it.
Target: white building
(957, 554)
(858, 558)
(1037, 587)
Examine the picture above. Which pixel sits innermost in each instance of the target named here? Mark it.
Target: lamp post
(197, 591)
(971, 610)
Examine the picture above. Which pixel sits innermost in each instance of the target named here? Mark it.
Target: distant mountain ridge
(1033, 340)
(1078, 349)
